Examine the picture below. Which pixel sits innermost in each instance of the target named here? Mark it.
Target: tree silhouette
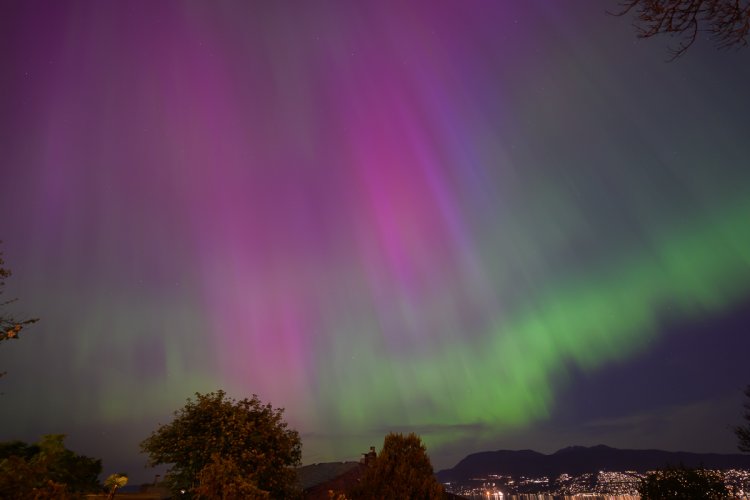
(10, 327)
(726, 21)
(401, 470)
(46, 470)
(743, 432)
(243, 445)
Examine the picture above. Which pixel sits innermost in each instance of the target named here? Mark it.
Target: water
(499, 496)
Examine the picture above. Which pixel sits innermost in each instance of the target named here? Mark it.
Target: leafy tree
(223, 478)
(726, 21)
(46, 470)
(682, 482)
(18, 449)
(401, 470)
(743, 432)
(113, 482)
(10, 327)
(217, 440)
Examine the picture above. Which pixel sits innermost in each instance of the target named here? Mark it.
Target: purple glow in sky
(440, 217)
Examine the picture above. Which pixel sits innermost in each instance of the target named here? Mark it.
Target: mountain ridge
(581, 459)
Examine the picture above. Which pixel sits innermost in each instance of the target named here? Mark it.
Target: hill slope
(579, 460)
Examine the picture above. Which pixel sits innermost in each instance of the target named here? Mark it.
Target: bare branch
(726, 21)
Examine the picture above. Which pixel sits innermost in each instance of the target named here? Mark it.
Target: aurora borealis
(440, 217)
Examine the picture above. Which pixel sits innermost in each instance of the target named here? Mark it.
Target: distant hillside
(309, 476)
(579, 460)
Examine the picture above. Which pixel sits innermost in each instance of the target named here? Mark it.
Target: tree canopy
(402, 469)
(682, 482)
(217, 442)
(743, 431)
(113, 482)
(726, 21)
(46, 470)
(223, 478)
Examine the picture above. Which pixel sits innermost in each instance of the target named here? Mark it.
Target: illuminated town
(623, 485)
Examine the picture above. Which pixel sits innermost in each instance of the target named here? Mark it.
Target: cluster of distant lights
(490, 490)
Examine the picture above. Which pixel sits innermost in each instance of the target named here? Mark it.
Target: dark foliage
(19, 449)
(682, 482)
(215, 441)
(743, 432)
(46, 470)
(726, 21)
(223, 478)
(401, 470)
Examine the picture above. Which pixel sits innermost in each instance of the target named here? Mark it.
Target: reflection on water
(500, 496)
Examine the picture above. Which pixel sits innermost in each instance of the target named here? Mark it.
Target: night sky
(498, 224)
